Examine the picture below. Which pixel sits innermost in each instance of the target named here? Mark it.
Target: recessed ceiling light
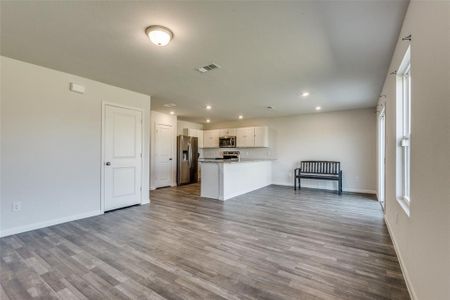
(159, 35)
(172, 112)
(208, 107)
(318, 108)
(208, 120)
(240, 117)
(305, 94)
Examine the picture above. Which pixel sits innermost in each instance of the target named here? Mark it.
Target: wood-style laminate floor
(273, 243)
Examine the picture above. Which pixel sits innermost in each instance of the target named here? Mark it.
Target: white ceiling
(270, 52)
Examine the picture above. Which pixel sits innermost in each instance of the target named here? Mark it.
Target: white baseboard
(344, 189)
(360, 191)
(20, 229)
(412, 294)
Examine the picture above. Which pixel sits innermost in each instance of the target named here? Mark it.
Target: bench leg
(340, 183)
(295, 183)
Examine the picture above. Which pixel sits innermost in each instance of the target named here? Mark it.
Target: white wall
(168, 120)
(422, 240)
(345, 136)
(186, 124)
(51, 144)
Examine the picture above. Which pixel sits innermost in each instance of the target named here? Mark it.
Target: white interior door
(122, 157)
(381, 158)
(163, 155)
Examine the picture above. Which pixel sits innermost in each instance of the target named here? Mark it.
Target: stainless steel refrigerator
(187, 162)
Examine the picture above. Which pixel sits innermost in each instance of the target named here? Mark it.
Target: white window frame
(403, 129)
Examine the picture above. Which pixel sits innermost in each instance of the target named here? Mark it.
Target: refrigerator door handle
(189, 155)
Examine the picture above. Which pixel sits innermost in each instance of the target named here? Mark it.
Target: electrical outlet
(17, 206)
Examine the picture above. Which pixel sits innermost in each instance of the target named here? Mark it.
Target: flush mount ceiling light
(172, 112)
(208, 107)
(318, 108)
(240, 117)
(305, 94)
(208, 120)
(159, 35)
(170, 105)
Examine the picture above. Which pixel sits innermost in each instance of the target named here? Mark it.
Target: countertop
(230, 161)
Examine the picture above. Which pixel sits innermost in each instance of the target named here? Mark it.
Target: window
(403, 157)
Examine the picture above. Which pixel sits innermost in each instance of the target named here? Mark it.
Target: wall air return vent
(208, 68)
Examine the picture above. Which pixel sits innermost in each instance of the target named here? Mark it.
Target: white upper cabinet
(261, 136)
(200, 138)
(211, 138)
(198, 133)
(245, 137)
(227, 132)
(252, 137)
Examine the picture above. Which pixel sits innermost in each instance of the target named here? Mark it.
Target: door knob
(170, 158)
(108, 163)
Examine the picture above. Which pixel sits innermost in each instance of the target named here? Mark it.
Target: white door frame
(102, 163)
(173, 152)
(381, 145)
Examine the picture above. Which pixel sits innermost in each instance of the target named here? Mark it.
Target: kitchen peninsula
(224, 178)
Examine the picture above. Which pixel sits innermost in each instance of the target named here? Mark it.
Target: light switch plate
(17, 206)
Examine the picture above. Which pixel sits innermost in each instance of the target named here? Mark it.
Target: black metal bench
(314, 169)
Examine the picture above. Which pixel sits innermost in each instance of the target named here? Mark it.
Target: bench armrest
(297, 171)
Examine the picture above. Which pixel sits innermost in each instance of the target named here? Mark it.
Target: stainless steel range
(231, 155)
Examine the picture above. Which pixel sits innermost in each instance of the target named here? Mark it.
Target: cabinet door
(200, 138)
(211, 139)
(231, 131)
(261, 137)
(223, 132)
(227, 132)
(245, 137)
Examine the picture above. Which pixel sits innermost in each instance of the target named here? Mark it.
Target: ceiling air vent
(207, 68)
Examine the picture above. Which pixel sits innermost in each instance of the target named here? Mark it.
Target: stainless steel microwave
(227, 142)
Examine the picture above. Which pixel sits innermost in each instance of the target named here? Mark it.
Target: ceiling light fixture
(208, 120)
(305, 94)
(208, 107)
(159, 35)
(170, 105)
(318, 108)
(172, 112)
(240, 117)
